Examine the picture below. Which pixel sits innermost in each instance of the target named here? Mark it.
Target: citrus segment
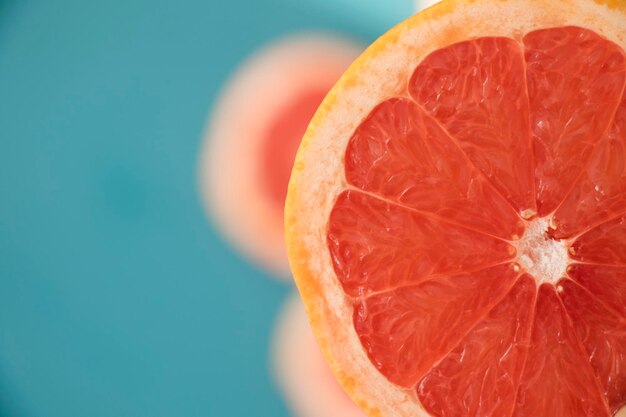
(405, 331)
(402, 154)
(575, 83)
(601, 191)
(606, 283)
(377, 246)
(557, 378)
(481, 375)
(473, 89)
(604, 244)
(603, 334)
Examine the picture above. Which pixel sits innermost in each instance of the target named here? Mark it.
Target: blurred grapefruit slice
(301, 371)
(455, 216)
(424, 4)
(253, 134)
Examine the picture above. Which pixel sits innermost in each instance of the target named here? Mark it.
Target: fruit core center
(539, 254)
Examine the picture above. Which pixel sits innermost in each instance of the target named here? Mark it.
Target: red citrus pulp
(466, 255)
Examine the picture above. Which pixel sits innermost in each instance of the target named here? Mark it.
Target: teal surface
(117, 296)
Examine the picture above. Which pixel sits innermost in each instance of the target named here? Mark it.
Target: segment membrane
(603, 334)
(575, 83)
(605, 244)
(480, 377)
(606, 283)
(402, 154)
(375, 245)
(557, 378)
(600, 193)
(476, 90)
(408, 330)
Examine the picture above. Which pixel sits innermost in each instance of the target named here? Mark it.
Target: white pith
(229, 160)
(540, 255)
(300, 370)
(318, 175)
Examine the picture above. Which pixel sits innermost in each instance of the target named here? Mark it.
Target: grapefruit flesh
(254, 133)
(453, 299)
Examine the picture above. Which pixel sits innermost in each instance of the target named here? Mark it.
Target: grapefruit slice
(253, 135)
(300, 370)
(455, 220)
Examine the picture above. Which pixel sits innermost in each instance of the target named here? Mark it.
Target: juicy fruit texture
(574, 83)
(478, 82)
(409, 342)
(408, 171)
(493, 136)
(600, 193)
(496, 351)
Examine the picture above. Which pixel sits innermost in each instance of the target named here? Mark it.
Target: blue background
(117, 296)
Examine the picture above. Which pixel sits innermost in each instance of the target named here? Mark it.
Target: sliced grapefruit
(253, 134)
(301, 372)
(456, 215)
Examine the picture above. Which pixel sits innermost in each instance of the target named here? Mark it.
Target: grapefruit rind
(230, 161)
(300, 371)
(381, 72)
